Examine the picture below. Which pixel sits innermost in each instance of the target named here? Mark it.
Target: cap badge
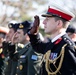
(21, 26)
(10, 26)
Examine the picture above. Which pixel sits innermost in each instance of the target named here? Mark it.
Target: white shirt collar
(58, 36)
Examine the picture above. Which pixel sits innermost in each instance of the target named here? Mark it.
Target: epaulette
(69, 41)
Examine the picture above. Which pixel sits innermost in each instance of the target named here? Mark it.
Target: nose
(44, 21)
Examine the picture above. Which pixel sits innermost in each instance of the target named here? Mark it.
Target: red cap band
(61, 14)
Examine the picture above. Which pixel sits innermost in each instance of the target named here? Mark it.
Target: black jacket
(69, 62)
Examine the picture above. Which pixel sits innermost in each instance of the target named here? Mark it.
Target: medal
(21, 67)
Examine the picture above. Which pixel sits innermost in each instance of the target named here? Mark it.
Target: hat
(71, 29)
(13, 21)
(59, 11)
(4, 30)
(26, 25)
(14, 26)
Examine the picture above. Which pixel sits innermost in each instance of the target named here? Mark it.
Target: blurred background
(20, 10)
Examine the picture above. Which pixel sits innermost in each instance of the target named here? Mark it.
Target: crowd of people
(23, 52)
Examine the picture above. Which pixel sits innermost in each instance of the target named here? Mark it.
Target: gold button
(21, 67)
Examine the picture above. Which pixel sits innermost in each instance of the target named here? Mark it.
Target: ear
(59, 23)
(27, 37)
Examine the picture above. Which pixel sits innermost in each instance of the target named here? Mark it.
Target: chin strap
(50, 61)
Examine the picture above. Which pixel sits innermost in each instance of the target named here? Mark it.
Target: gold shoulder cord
(49, 61)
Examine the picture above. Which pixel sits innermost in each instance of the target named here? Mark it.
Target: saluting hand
(14, 38)
(35, 27)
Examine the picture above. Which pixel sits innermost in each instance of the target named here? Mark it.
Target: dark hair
(63, 20)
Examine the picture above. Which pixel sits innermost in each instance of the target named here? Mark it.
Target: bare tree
(17, 10)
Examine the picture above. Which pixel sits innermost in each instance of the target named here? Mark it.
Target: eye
(47, 18)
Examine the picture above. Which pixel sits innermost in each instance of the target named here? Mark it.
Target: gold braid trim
(49, 61)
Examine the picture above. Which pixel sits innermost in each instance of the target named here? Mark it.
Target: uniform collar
(26, 44)
(58, 36)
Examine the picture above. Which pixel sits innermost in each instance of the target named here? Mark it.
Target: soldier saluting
(60, 55)
(3, 32)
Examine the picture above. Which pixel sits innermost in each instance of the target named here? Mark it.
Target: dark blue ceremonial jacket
(69, 62)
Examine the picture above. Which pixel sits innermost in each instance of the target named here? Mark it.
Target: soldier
(71, 31)
(3, 32)
(8, 61)
(28, 60)
(60, 55)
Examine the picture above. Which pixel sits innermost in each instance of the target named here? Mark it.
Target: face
(70, 35)
(20, 36)
(50, 25)
(10, 34)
